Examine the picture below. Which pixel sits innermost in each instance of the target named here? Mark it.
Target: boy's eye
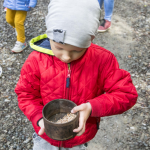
(76, 51)
(59, 48)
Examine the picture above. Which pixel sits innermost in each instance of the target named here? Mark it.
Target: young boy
(15, 15)
(66, 65)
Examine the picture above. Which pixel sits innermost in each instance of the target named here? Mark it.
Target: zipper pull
(68, 79)
(69, 73)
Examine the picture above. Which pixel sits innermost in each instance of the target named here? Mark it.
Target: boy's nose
(66, 58)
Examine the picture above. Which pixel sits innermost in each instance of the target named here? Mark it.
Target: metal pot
(55, 110)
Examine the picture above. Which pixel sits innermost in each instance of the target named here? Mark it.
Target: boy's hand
(84, 113)
(41, 124)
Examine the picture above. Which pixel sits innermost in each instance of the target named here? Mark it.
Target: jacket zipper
(68, 82)
(67, 95)
(67, 90)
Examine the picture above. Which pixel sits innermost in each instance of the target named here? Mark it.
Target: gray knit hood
(73, 22)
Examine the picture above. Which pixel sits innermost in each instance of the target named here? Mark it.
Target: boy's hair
(74, 22)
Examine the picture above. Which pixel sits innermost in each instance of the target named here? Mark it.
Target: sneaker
(105, 25)
(5, 9)
(19, 47)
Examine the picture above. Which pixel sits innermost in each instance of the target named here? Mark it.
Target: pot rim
(53, 123)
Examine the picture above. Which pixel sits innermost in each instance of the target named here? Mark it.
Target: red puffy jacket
(95, 78)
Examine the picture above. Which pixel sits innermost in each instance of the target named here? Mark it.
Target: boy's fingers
(81, 125)
(42, 130)
(77, 108)
(77, 129)
(74, 110)
(81, 132)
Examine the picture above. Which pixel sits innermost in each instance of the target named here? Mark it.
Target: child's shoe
(105, 25)
(5, 9)
(19, 47)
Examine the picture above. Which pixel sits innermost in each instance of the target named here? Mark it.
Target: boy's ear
(92, 37)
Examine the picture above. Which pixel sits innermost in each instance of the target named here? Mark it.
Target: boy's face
(65, 52)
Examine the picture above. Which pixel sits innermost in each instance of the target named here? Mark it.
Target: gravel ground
(128, 39)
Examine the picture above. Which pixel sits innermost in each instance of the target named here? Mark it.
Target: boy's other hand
(84, 113)
(41, 124)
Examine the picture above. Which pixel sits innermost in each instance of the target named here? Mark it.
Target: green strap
(69, 66)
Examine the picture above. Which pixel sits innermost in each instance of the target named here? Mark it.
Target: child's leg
(101, 3)
(19, 25)
(10, 16)
(108, 7)
(79, 147)
(41, 144)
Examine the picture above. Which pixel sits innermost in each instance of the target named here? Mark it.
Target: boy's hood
(41, 44)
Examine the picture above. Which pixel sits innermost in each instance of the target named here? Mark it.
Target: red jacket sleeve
(28, 90)
(120, 94)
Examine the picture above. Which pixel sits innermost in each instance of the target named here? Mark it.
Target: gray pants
(41, 144)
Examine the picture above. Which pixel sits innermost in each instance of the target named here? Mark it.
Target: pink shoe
(105, 25)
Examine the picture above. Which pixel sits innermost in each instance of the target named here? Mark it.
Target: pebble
(0, 71)
(11, 148)
(132, 128)
(27, 140)
(148, 74)
(6, 100)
